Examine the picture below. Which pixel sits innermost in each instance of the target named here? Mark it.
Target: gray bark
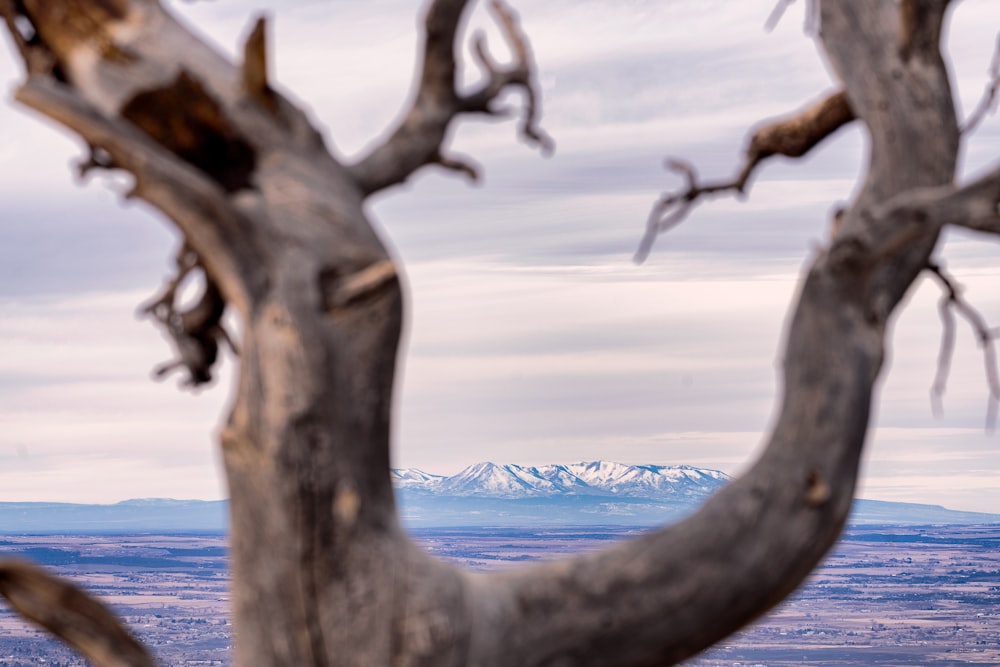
(323, 574)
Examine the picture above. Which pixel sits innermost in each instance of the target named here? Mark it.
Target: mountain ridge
(599, 492)
(592, 478)
(483, 494)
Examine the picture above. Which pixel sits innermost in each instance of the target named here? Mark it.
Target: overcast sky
(532, 337)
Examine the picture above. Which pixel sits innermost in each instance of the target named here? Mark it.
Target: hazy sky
(532, 337)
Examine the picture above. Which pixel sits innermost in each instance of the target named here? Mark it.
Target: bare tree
(323, 574)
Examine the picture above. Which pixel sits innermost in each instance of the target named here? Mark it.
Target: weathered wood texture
(323, 573)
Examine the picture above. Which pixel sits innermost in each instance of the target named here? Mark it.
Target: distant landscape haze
(599, 493)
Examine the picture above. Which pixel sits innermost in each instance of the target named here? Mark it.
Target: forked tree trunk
(323, 574)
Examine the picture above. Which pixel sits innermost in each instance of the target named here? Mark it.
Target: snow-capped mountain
(407, 478)
(496, 481)
(593, 478)
(596, 493)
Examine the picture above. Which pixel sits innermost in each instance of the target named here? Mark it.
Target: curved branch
(197, 331)
(774, 18)
(71, 614)
(972, 206)
(420, 138)
(668, 595)
(810, 25)
(322, 571)
(672, 209)
(519, 75)
(988, 102)
(793, 136)
(952, 302)
(203, 212)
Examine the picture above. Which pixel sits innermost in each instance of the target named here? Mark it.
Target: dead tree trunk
(322, 573)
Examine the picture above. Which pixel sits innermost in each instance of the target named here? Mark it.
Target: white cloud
(80, 418)
(533, 337)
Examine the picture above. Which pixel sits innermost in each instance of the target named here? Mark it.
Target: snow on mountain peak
(591, 478)
(492, 480)
(412, 477)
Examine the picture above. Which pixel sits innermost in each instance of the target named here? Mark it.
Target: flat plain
(900, 596)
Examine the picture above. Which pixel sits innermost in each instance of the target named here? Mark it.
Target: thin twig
(793, 136)
(671, 209)
(420, 138)
(987, 103)
(774, 18)
(520, 73)
(810, 26)
(951, 303)
(461, 165)
(945, 354)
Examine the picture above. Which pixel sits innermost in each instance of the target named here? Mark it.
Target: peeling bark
(322, 572)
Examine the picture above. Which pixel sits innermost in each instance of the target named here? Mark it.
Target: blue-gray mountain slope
(486, 494)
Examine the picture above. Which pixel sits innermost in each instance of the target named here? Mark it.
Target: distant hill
(484, 494)
(148, 515)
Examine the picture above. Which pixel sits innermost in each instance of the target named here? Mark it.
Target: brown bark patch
(70, 24)
(183, 118)
(796, 136)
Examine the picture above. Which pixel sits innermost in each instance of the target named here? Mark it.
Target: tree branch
(952, 302)
(774, 18)
(420, 138)
(972, 206)
(794, 136)
(71, 614)
(886, 228)
(988, 102)
(323, 573)
(679, 590)
(203, 213)
(197, 331)
(662, 598)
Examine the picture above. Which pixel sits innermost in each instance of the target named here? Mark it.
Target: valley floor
(891, 595)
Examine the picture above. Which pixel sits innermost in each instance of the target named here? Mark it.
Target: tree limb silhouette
(793, 136)
(951, 303)
(71, 614)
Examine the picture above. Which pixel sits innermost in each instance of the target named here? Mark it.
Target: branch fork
(419, 140)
